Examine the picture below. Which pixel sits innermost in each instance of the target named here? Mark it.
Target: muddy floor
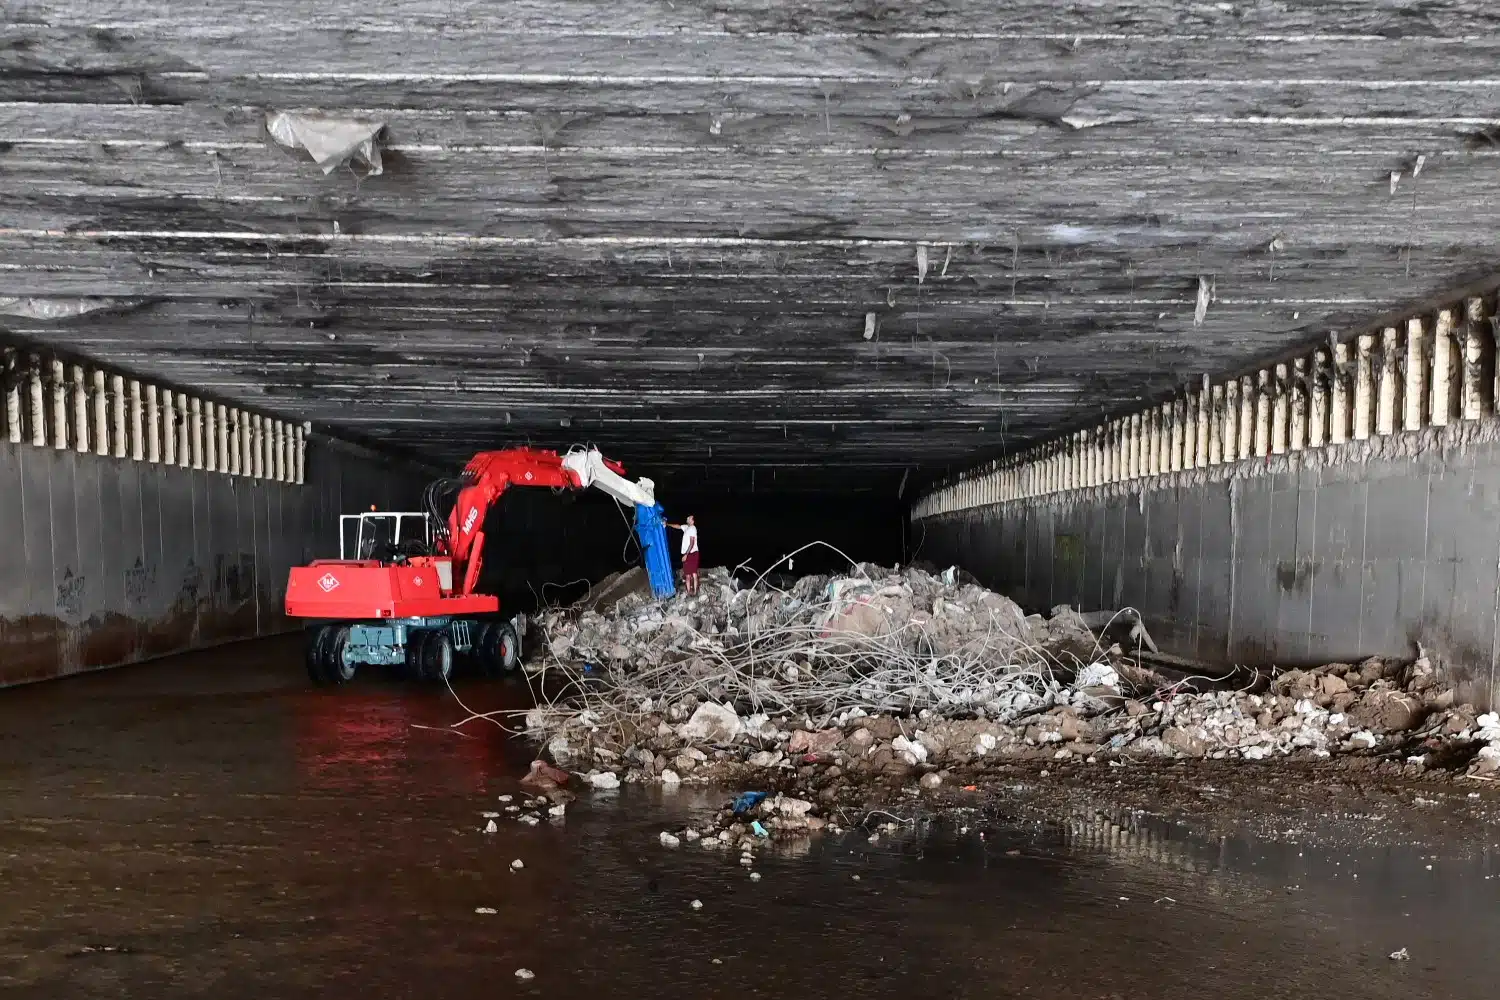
(210, 825)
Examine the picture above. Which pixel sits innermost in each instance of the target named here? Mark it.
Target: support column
(1297, 422)
(1263, 413)
(1340, 379)
(80, 412)
(38, 403)
(12, 395)
(1415, 394)
(1479, 353)
(168, 427)
(101, 413)
(137, 423)
(1364, 388)
(195, 409)
(1229, 447)
(153, 424)
(1317, 419)
(1280, 411)
(185, 444)
(1441, 384)
(1387, 389)
(59, 406)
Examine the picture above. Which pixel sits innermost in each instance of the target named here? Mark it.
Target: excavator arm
(490, 473)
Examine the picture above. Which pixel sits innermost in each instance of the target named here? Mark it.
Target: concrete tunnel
(1190, 310)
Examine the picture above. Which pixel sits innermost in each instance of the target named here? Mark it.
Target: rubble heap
(909, 675)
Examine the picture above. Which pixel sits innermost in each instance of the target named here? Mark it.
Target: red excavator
(402, 592)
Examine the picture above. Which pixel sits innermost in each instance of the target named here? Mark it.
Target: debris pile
(912, 677)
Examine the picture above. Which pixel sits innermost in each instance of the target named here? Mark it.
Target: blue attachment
(746, 801)
(652, 532)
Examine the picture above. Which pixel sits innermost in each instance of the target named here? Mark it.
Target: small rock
(755, 876)
(604, 780)
(713, 724)
(669, 840)
(696, 904)
(933, 780)
(490, 815)
(1400, 956)
(488, 911)
(525, 974)
(1184, 742)
(558, 810)
(820, 742)
(517, 865)
(490, 827)
(506, 798)
(669, 777)
(910, 750)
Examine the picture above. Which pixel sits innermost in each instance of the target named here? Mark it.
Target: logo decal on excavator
(328, 582)
(469, 521)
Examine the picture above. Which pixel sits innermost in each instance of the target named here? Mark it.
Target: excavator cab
(385, 536)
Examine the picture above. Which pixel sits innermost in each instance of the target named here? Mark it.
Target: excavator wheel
(437, 657)
(317, 640)
(507, 648)
(415, 643)
(477, 657)
(500, 650)
(335, 670)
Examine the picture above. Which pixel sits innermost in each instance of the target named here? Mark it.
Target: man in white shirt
(689, 555)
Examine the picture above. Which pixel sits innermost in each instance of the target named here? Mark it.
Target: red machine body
(440, 583)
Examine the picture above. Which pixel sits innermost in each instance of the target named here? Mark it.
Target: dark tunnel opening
(545, 548)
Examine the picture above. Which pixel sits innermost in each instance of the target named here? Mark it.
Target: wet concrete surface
(210, 824)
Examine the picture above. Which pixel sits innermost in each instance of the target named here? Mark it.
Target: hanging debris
(331, 142)
(1205, 296)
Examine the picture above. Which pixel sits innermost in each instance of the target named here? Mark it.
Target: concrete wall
(108, 560)
(1316, 556)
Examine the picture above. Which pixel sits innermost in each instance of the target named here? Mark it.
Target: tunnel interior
(798, 265)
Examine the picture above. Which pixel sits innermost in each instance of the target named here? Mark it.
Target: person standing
(689, 555)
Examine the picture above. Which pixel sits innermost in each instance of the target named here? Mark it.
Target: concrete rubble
(921, 681)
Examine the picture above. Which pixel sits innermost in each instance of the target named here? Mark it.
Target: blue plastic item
(760, 831)
(651, 529)
(745, 801)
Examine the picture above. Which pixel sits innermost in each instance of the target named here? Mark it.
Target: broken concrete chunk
(911, 751)
(712, 723)
(822, 741)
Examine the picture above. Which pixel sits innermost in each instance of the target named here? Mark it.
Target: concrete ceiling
(660, 225)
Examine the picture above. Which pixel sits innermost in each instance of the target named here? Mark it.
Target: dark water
(236, 834)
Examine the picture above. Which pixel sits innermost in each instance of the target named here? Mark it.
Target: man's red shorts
(690, 564)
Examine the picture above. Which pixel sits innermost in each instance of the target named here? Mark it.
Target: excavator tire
(335, 670)
(316, 647)
(499, 651)
(437, 657)
(507, 644)
(415, 643)
(477, 655)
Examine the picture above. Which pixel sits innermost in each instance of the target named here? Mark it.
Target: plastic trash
(760, 831)
(745, 801)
